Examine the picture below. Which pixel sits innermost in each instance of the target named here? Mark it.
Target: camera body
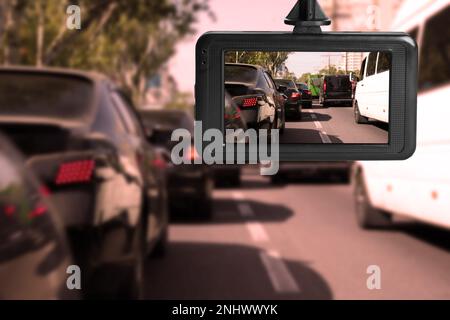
(210, 90)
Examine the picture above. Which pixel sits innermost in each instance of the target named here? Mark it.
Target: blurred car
(81, 137)
(190, 186)
(372, 91)
(34, 254)
(293, 103)
(254, 92)
(336, 89)
(419, 187)
(298, 170)
(306, 94)
(315, 82)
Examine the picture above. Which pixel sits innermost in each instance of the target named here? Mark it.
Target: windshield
(55, 96)
(287, 83)
(302, 86)
(237, 73)
(338, 83)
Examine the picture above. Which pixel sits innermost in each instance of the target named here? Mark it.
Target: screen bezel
(212, 46)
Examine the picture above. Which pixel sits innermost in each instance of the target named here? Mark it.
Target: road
(297, 241)
(334, 124)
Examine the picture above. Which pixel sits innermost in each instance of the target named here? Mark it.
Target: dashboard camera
(329, 95)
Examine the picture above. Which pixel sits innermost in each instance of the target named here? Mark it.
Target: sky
(231, 15)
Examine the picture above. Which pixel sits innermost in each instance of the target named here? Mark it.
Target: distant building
(161, 89)
(351, 61)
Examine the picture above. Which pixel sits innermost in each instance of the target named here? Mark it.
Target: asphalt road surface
(334, 124)
(297, 241)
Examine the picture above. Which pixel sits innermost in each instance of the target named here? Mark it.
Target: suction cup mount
(307, 17)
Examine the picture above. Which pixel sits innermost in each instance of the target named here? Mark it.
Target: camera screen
(311, 97)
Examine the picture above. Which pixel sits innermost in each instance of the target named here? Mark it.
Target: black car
(293, 104)
(34, 254)
(306, 94)
(81, 137)
(337, 90)
(255, 93)
(190, 186)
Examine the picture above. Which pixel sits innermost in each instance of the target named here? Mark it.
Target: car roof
(93, 76)
(245, 65)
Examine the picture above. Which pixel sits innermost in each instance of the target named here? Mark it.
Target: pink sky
(231, 15)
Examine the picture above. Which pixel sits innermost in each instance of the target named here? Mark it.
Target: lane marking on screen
(323, 135)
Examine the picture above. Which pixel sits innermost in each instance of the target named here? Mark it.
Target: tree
(126, 40)
(271, 61)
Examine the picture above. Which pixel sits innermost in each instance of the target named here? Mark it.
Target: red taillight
(192, 154)
(159, 162)
(296, 95)
(38, 211)
(75, 172)
(324, 86)
(9, 210)
(308, 91)
(249, 102)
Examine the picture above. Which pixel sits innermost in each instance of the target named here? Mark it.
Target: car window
(107, 120)
(45, 95)
(262, 82)
(384, 62)
(363, 69)
(435, 55)
(238, 73)
(371, 64)
(269, 81)
(124, 113)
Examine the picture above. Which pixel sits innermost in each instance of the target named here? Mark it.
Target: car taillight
(296, 95)
(159, 162)
(308, 91)
(75, 172)
(9, 210)
(324, 86)
(249, 102)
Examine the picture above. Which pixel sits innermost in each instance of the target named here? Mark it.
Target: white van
(372, 90)
(420, 186)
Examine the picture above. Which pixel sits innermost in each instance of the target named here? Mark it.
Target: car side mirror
(281, 89)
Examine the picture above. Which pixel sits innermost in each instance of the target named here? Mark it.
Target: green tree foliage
(271, 61)
(126, 40)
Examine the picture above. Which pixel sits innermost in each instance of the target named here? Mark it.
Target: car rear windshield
(302, 86)
(168, 120)
(42, 95)
(245, 74)
(287, 83)
(338, 83)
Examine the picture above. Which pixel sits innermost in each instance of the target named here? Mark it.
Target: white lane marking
(323, 135)
(279, 275)
(256, 229)
(325, 138)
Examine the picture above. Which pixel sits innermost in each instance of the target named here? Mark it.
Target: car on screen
(82, 139)
(372, 90)
(293, 103)
(419, 187)
(34, 253)
(255, 93)
(336, 90)
(189, 186)
(306, 94)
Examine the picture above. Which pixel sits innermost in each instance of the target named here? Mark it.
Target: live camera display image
(311, 97)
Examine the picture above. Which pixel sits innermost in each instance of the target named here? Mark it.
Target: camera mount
(307, 16)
